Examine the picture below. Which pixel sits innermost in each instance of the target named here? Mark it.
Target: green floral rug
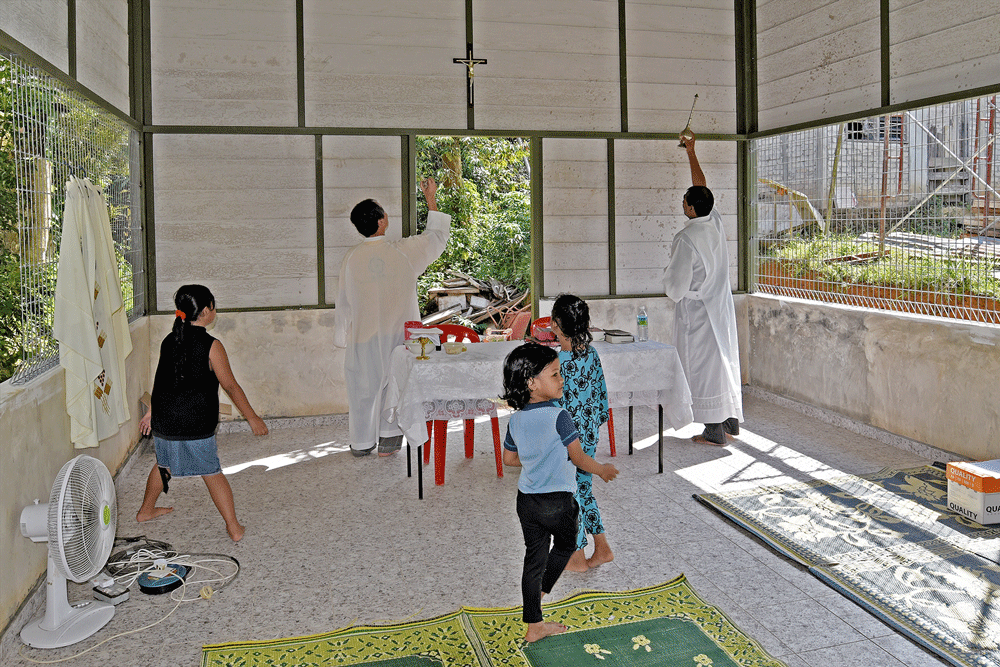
(666, 625)
(888, 542)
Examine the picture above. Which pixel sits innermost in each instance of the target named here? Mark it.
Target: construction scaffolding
(895, 212)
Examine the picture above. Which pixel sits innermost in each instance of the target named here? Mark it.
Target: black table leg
(630, 430)
(661, 439)
(420, 472)
(409, 468)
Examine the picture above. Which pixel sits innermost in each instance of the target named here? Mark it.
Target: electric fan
(79, 524)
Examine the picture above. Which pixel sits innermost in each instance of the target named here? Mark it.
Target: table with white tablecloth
(462, 386)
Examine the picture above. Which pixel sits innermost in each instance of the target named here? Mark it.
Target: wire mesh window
(47, 134)
(898, 212)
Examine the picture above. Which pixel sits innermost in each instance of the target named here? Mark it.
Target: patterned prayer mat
(667, 625)
(889, 542)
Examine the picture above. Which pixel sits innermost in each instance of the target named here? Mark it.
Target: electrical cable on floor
(101, 643)
(154, 557)
(151, 556)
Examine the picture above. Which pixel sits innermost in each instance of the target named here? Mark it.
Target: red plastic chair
(541, 330)
(458, 333)
(519, 325)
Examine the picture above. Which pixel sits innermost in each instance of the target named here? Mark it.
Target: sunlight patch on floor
(766, 464)
(685, 433)
(290, 458)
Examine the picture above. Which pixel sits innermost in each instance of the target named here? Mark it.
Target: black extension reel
(157, 582)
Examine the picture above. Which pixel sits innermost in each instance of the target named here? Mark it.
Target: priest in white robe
(376, 296)
(697, 278)
(90, 321)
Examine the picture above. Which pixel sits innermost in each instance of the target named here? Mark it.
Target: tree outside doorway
(484, 184)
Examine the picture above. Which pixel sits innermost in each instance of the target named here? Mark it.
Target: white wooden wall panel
(575, 216)
(676, 49)
(223, 62)
(102, 49)
(581, 282)
(816, 58)
(385, 63)
(238, 214)
(551, 65)
(40, 25)
(942, 47)
(650, 180)
(354, 169)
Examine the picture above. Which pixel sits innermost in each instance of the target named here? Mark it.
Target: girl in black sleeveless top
(185, 408)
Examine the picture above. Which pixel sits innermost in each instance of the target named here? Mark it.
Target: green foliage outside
(903, 269)
(59, 135)
(10, 275)
(484, 184)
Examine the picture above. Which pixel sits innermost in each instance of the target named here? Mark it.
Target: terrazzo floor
(333, 540)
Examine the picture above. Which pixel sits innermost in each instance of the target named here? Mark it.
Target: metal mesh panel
(897, 212)
(51, 133)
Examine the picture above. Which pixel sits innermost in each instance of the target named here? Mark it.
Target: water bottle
(642, 332)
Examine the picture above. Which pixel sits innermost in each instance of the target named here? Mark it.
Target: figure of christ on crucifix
(470, 62)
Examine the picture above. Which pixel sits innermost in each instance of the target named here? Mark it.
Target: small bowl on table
(454, 347)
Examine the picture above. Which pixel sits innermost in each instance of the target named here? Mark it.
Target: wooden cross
(470, 62)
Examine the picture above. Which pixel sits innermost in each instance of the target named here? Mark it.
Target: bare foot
(702, 441)
(577, 562)
(157, 511)
(600, 557)
(543, 629)
(236, 532)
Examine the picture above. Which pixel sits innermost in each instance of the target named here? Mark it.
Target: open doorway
(482, 278)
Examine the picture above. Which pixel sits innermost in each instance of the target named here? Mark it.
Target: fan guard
(82, 516)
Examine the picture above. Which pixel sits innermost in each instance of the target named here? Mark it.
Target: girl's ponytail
(190, 301)
(572, 315)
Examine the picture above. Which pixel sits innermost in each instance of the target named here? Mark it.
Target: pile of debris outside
(477, 301)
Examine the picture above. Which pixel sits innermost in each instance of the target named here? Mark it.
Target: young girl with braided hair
(184, 413)
(585, 397)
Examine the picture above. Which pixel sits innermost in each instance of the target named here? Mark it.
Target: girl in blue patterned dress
(585, 397)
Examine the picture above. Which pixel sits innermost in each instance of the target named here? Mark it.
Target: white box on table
(974, 490)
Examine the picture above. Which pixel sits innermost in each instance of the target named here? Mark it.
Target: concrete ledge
(866, 430)
(926, 379)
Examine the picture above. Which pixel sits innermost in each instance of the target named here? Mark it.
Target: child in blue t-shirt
(543, 441)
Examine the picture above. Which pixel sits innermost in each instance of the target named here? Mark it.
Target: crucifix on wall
(470, 62)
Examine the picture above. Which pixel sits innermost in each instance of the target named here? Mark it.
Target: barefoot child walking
(585, 397)
(543, 441)
(185, 408)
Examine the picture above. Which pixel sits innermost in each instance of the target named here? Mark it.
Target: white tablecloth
(466, 385)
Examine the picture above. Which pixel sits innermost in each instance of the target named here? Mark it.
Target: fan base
(85, 618)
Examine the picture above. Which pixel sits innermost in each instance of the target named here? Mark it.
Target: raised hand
(429, 188)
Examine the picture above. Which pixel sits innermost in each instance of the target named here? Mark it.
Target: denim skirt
(188, 458)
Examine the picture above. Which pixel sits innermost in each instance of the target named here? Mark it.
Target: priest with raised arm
(376, 296)
(697, 278)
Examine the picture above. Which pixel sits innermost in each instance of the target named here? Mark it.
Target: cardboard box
(974, 490)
